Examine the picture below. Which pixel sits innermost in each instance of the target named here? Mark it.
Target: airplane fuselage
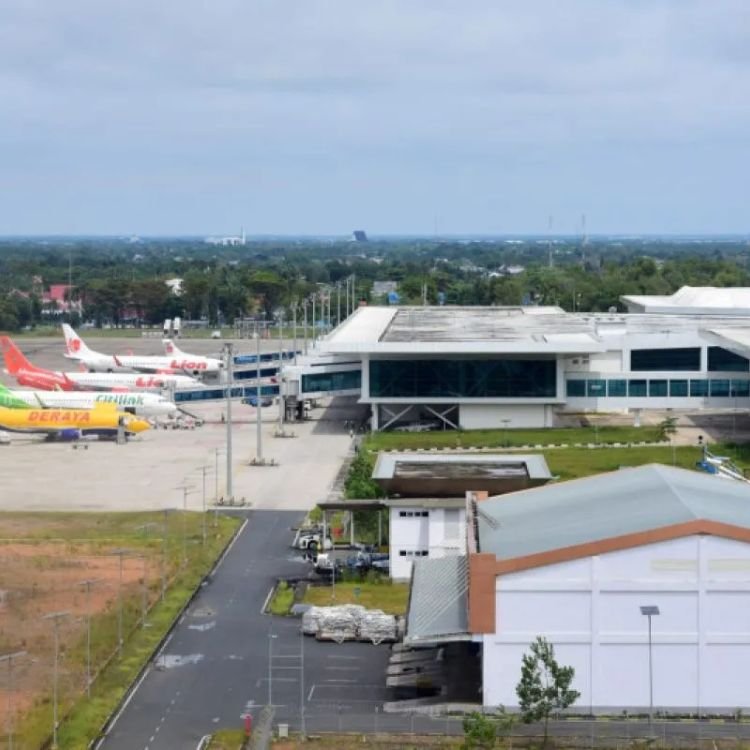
(143, 404)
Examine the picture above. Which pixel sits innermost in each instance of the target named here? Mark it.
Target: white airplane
(140, 404)
(97, 362)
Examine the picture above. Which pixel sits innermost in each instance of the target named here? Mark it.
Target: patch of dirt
(38, 578)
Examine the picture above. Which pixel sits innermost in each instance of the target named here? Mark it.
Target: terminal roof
(708, 300)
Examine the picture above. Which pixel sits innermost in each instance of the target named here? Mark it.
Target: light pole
(294, 330)
(338, 303)
(9, 658)
(230, 378)
(505, 423)
(144, 590)
(302, 682)
(304, 311)
(650, 611)
(258, 425)
(282, 405)
(88, 583)
(55, 617)
(185, 490)
(271, 637)
(164, 540)
(120, 553)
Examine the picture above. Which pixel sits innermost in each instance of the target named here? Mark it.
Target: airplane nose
(137, 425)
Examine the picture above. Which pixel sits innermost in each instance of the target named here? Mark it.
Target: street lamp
(55, 617)
(88, 583)
(9, 658)
(228, 350)
(505, 423)
(650, 611)
(185, 491)
(120, 553)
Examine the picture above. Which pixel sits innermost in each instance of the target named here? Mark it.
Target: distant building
(359, 235)
(231, 241)
(56, 300)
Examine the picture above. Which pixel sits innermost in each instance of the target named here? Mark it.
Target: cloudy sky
(396, 116)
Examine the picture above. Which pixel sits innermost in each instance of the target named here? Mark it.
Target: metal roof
(438, 607)
(605, 506)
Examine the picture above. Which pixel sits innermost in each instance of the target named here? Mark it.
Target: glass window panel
(463, 378)
(642, 360)
(720, 388)
(576, 388)
(722, 360)
(332, 381)
(637, 388)
(617, 388)
(678, 388)
(596, 388)
(698, 388)
(740, 388)
(657, 388)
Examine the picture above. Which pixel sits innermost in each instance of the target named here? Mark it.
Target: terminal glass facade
(657, 388)
(722, 360)
(662, 360)
(463, 378)
(332, 381)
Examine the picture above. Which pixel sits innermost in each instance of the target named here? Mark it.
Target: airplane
(141, 404)
(176, 362)
(70, 424)
(27, 374)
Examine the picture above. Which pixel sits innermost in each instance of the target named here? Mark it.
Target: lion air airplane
(177, 362)
(49, 380)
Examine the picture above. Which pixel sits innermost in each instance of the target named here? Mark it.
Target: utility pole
(338, 303)
(144, 590)
(314, 329)
(120, 553)
(303, 729)
(271, 637)
(203, 529)
(88, 584)
(230, 378)
(9, 658)
(354, 292)
(55, 617)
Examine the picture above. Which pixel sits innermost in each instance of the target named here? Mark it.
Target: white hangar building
(575, 562)
(490, 367)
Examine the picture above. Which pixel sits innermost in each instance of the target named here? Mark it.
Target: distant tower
(242, 235)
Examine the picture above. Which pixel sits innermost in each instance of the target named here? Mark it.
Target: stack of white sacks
(350, 622)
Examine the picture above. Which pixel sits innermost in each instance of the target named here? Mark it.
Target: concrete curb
(135, 684)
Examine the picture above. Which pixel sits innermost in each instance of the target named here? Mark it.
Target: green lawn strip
(510, 438)
(282, 599)
(82, 718)
(390, 597)
(227, 739)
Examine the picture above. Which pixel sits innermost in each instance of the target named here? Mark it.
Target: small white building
(575, 562)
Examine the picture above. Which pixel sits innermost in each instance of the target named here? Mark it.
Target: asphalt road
(215, 666)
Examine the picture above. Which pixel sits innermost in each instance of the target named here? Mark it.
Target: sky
(394, 116)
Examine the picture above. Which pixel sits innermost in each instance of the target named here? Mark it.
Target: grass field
(390, 597)
(379, 441)
(45, 559)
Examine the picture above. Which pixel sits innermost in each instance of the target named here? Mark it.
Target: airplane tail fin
(13, 356)
(171, 349)
(74, 344)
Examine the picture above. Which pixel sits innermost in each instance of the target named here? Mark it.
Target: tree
(544, 686)
(479, 731)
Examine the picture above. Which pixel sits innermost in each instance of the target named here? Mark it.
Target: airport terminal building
(492, 367)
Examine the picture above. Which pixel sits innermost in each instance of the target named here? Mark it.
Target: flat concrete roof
(422, 332)
(428, 474)
(709, 300)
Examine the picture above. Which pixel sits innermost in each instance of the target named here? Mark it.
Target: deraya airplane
(71, 424)
(141, 404)
(31, 376)
(175, 361)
